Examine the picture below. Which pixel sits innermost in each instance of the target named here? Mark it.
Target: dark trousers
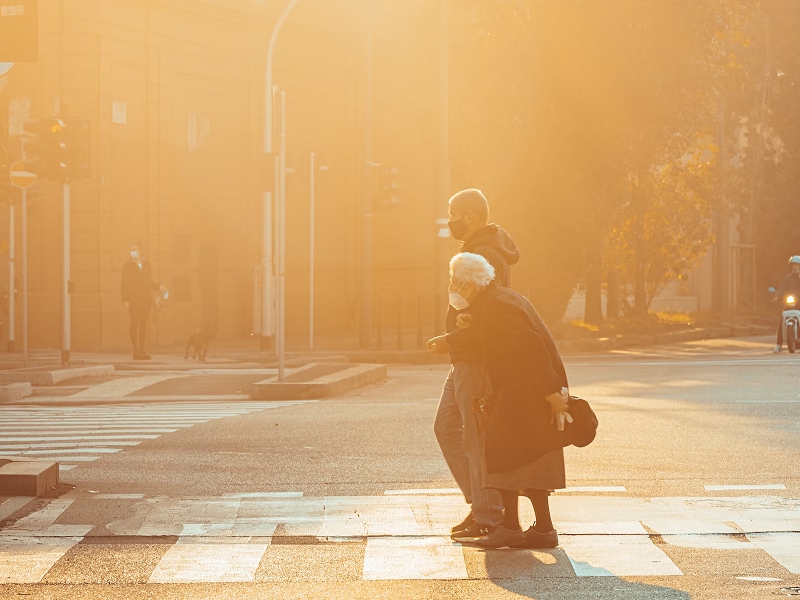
(140, 315)
(780, 331)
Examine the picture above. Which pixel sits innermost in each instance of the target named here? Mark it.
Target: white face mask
(134, 254)
(458, 301)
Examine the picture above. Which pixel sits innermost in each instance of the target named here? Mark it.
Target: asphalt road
(692, 490)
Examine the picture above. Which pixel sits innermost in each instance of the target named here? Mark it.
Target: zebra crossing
(73, 435)
(285, 536)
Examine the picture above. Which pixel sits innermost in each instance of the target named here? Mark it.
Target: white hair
(471, 268)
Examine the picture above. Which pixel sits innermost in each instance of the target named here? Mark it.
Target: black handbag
(583, 429)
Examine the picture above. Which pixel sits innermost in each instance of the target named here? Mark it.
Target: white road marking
(12, 505)
(265, 495)
(75, 434)
(413, 558)
(190, 562)
(42, 519)
(28, 559)
(123, 386)
(784, 547)
(616, 555)
(723, 488)
(422, 492)
(593, 488)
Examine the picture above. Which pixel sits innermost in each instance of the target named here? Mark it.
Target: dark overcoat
(524, 366)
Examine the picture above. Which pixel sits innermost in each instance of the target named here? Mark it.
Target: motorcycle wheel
(791, 337)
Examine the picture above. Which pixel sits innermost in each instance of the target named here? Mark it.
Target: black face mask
(458, 228)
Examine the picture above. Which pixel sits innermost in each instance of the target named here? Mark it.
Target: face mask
(134, 254)
(458, 301)
(458, 228)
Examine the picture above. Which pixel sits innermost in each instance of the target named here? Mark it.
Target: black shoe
(144, 356)
(138, 356)
(473, 532)
(533, 539)
(496, 537)
(465, 524)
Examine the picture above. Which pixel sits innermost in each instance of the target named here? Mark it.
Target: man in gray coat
(454, 425)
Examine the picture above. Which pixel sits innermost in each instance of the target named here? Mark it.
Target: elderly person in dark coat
(527, 408)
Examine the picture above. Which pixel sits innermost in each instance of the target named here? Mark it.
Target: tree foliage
(607, 132)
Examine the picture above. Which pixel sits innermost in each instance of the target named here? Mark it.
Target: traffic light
(79, 161)
(46, 148)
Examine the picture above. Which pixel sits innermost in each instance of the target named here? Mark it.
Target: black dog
(199, 342)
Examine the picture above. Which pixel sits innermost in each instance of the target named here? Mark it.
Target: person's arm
(510, 333)
(125, 284)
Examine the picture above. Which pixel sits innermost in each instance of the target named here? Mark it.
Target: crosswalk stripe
(413, 558)
(616, 555)
(27, 560)
(75, 434)
(79, 438)
(192, 562)
(784, 547)
(62, 445)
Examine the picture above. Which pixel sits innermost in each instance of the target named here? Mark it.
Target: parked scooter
(791, 321)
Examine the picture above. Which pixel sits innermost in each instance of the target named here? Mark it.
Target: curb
(671, 337)
(348, 379)
(14, 392)
(26, 477)
(55, 376)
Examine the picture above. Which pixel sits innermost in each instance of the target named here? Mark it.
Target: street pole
(282, 242)
(24, 224)
(311, 263)
(267, 274)
(65, 290)
(365, 332)
(442, 276)
(11, 294)
(268, 91)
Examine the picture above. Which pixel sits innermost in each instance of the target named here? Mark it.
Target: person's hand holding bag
(558, 408)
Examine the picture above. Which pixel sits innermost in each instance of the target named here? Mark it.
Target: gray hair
(467, 267)
(472, 200)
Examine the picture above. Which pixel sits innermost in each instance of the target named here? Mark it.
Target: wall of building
(174, 91)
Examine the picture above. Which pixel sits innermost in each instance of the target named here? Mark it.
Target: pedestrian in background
(137, 294)
(527, 405)
(454, 424)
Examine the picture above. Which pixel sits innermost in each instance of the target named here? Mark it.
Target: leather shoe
(497, 537)
(533, 539)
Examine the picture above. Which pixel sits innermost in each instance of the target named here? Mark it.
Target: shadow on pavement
(544, 574)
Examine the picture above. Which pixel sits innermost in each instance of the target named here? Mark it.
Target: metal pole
(399, 322)
(11, 294)
(282, 244)
(65, 290)
(366, 194)
(268, 91)
(311, 263)
(24, 276)
(267, 307)
(442, 277)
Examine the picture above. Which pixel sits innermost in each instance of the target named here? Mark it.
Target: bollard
(380, 322)
(420, 340)
(399, 322)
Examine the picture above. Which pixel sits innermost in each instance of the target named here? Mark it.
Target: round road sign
(20, 176)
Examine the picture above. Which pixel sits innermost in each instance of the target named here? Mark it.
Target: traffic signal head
(47, 148)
